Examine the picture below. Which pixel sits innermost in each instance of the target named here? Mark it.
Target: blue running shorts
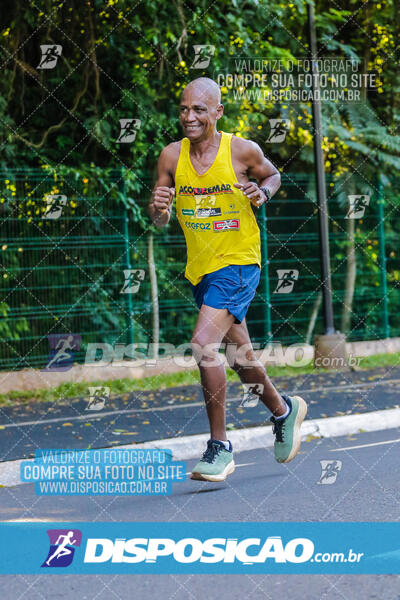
(231, 287)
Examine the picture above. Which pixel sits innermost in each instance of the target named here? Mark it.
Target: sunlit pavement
(175, 412)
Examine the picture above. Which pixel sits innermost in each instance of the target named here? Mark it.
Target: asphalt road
(150, 415)
(367, 488)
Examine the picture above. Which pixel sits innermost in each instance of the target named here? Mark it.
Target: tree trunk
(351, 271)
(154, 296)
(313, 318)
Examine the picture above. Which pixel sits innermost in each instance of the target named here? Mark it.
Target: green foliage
(126, 60)
(121, 61)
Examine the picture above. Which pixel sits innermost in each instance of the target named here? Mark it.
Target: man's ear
(220, 111)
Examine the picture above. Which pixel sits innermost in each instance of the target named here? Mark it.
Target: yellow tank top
(217, 219)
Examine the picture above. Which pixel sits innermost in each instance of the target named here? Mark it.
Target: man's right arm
(160, 205)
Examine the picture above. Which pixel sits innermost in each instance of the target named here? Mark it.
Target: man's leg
(288, 413)
(211, 327)
(254, 371)
(212, 324)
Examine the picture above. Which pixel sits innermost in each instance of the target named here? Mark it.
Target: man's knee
(206, 354)
(241, 356)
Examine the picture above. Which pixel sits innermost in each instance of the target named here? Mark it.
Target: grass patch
(65, 391)
(380, 360)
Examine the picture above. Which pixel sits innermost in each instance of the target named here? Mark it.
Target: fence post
(127, 261)
(265, 276)
(382, 260)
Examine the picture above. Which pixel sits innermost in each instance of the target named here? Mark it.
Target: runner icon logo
(62, 351)
(202, 56)
(129, 128)
(133, 280)
(251, 394)
(329, 471)
(286, 279)
(279, 129)
(55, 204)
(98, 397)
(50, 55)
(62, 547)
(357, 206)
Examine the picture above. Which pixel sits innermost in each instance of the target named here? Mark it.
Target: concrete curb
(252, 438)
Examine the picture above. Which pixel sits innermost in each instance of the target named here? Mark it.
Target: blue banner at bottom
(67, 548)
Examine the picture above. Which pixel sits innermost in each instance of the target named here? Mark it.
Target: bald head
(206, 89)
(200, 109)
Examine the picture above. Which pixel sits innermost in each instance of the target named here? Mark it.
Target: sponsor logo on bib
(188, 190)
(205, 201)
(197, 226)
(226, 225)
(208, 212)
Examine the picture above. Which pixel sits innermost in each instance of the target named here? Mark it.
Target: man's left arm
(261, 169)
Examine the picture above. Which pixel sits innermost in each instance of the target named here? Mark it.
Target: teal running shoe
(287, 431)
(216, 463)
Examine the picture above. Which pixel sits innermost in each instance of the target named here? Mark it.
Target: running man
(62, 346)
(210, 172)
(62, 549)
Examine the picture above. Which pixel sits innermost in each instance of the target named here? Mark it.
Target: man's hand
(162, 198)
(252, 192)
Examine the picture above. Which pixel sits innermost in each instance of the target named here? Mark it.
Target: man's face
(199, 112)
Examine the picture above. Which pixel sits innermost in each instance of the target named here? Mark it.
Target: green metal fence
(64, 274)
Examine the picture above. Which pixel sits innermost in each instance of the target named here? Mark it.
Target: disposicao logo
(62, 547)
(191, 550)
